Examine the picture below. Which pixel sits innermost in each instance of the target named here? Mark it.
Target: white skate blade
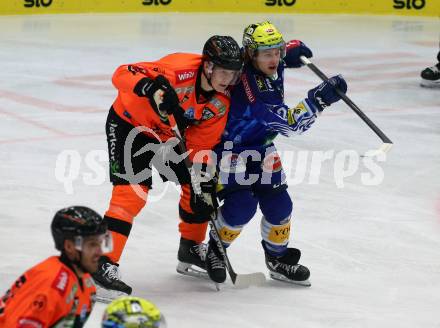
(104, 295)
(191, 270)
(430, 84)
(249, 279)
(280, 277)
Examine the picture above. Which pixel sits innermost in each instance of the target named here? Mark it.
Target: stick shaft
(348, 101)
(196, 186)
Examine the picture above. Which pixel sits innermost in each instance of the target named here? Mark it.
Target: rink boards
(380, 7)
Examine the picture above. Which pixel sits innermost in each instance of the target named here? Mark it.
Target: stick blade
(382, 150)
(249, 279)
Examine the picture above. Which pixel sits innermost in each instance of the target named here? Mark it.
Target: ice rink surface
(373, 247)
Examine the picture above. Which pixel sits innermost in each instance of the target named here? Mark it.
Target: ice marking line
(363, 83)
(34, 123)
(96, 77)
(428, 44)
(50, 138)
(384, 76)
(86, 82)
(391, 66)
(385, 110)
(81, 85)
(44, 104)
(347, 59)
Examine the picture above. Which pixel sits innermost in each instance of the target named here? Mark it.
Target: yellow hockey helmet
(132, 312)
(262, 36)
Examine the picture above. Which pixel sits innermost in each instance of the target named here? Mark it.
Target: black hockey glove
(146, 87)
(325, 94)
(204, 204)
(163, 98)
(294, 50)
(170, 101)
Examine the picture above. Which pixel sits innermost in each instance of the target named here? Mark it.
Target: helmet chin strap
(73, 264)
(78, 263)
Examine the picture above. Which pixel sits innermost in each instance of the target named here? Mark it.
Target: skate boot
(431, 76)
(286, 268)
(108, 281)
(191, 258)
(215, 266)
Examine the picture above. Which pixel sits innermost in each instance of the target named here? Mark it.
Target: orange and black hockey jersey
(181, 70)
(48, 295)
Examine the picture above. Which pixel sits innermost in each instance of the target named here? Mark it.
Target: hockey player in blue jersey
(250, 170)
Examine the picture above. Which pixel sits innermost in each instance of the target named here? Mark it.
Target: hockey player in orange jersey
(60, 291)
(194, 90)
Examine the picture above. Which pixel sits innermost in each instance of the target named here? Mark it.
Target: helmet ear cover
(210, 66)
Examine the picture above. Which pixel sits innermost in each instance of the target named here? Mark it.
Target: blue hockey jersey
(258, 113)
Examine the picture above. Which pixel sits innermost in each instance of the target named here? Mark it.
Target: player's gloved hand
(325, 94)
(204, 204)
(294, 50)
(169, 101)
(163, 98)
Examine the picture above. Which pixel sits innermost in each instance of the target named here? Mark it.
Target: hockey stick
(387, 143)
(239, 280)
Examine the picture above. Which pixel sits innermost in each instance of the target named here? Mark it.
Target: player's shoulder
(180, 68)
(53, 274)
(181, 59)
(45, 267)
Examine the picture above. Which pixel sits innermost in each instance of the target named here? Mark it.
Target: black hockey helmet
(76, 221)
(223, 51)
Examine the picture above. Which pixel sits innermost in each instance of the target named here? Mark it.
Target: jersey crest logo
(221, 107)
(89, 282)
(207, 114)
(189, 113)
(261, 84)
(184, 75)
(221, 111)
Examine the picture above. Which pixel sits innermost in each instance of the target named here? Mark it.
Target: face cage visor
(282, 45)
(136, 321)
(104, 241)
(223, 74)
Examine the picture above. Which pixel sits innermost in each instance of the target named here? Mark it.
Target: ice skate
(286, 268)
(431, 77)
(108, 281)
(215, 265)
(191, 258)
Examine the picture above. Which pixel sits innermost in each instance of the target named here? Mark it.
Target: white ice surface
(373, 251)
